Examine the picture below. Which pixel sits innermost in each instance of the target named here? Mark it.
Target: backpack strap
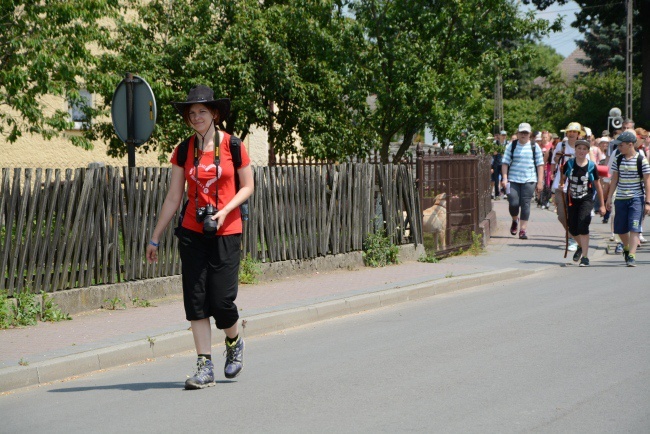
(235, 153)
(639, 169)
(183, 149)
(514, 144)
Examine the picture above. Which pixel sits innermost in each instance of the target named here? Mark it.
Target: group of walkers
(582, 176)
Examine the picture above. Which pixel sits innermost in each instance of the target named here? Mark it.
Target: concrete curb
(176, 342)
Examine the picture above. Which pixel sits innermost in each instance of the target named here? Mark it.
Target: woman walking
(210, 231)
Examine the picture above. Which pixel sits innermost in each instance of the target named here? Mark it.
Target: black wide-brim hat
(202, 94)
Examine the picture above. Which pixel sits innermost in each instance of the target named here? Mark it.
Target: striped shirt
(522, 167)
(629, 183)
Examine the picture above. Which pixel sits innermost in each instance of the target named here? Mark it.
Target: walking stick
(566, 222)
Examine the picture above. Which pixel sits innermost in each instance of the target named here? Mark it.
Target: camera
(203, 214)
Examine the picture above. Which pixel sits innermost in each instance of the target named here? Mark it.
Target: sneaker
(573, 245)
(234, 358)
(641, 239)
(612, 238)
(505, 196)
(619, 248)
(577, 255)
(204, 376)
(522, 235)
(631, 261)
(605, 220)
(593, 213)
(514, 226)
(626, 255)
(584, 262)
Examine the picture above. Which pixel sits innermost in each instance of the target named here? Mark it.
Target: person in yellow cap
(562, 153)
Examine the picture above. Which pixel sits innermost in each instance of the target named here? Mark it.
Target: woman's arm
(168, 210)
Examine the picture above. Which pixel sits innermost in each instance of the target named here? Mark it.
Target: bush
(249, 269)
(378, 251)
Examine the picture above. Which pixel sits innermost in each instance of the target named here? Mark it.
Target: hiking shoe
(577, 255)
(584, 262)
(234, 358)
(619, 249)
(204, 376)
(573, 245)
(631, 260)
(514, 226)
(522, 235)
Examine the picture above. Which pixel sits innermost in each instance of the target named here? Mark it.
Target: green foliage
(114, 303)
(428, 63)
(27, 309)
(539, 60)
(431, 259)
(51, 312)
(23, 362)
(249, 269)
(46, 49)
(378, 250)
(287, 66)
(141, 302)
(6, 311)
(477, 245)
(586, 100)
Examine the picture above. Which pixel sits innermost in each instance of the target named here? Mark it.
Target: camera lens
(209, 227)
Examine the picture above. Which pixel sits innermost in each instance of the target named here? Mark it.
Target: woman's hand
(152, 253)
(220, 217)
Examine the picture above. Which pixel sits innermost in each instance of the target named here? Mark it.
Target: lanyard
(196, 168)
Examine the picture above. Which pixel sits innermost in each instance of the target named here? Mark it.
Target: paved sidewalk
(102, 339)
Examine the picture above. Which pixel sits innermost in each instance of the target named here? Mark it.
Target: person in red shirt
(210, 261)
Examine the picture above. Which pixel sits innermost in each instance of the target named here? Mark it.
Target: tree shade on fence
(77, 228)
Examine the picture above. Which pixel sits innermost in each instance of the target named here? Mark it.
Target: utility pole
(498, 104)
(628, 62)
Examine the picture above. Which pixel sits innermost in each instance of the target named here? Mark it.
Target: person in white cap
(522, 172)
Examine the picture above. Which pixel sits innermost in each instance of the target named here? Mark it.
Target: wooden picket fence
(62, 229)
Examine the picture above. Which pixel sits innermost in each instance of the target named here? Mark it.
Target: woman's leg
(526, 192)
(202, 336)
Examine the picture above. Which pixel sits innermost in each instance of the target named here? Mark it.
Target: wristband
(153, 244)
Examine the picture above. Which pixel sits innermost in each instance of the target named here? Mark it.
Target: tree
(45, 50)
(428, 63)
(542, 61)
(608, 13)
(586, 100)
(605, 47)
(286, 65)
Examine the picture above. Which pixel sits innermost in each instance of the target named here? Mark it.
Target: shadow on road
(134, 387)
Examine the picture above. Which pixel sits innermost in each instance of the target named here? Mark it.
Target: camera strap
(196, 167)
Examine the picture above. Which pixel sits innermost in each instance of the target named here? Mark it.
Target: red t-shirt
(206, 183)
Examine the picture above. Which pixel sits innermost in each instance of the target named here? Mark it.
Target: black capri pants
(210, 268)
(579, 213)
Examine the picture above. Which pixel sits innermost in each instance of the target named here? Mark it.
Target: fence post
(419, 179)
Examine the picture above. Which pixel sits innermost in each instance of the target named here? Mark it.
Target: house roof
(570, 67)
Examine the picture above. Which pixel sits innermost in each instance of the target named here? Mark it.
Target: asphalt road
(567, 350)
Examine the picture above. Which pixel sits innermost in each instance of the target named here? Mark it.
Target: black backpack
(235, 152)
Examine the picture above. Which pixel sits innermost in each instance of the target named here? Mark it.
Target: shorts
(579, 213)
(629, 215)
(210, 268)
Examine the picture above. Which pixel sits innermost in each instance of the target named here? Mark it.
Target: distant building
(569, 67)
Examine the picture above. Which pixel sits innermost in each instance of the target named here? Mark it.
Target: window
(76, 110)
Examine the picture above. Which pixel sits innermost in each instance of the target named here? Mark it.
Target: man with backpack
(522, 174)
(631, 181)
